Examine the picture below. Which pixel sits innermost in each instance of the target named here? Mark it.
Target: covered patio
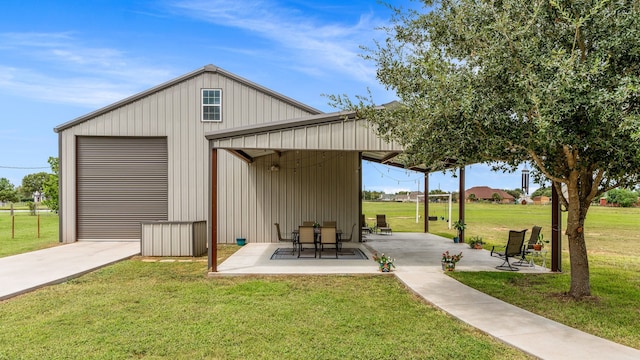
(308, 169)
(414, 252)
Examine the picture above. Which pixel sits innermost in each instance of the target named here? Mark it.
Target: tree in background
(496, 197)
(50, 186)
(622, 197)
(8, 192)
(555, 83)
(33, 183)
(542, 191)
(371, 195)
(516, 193)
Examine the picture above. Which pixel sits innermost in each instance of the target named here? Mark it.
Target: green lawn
(612, 237)
(25, 232)
(171, 310)
(137, 309)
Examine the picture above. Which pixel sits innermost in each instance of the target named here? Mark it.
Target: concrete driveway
(29, 271)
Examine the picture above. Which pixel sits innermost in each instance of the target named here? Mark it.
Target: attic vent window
(211, 105)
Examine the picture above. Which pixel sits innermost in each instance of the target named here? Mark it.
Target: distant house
(387, 197)
(485, 193)
(541, 200)
(410, 197)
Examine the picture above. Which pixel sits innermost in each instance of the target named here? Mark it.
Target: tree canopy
(8, 192)
(552, 82)
(33, 183)
(50, 186)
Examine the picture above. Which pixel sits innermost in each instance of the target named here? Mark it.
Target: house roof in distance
(485, 192)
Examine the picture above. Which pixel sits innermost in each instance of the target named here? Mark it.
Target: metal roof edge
(281, 125)
(206, 68)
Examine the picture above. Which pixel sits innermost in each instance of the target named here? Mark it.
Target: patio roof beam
(242, 155)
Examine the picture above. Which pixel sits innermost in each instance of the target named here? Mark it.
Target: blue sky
(63, 59)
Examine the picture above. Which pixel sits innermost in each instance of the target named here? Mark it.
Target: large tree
(552, 82)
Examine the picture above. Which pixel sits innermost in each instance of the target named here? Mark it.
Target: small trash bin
(241, 241)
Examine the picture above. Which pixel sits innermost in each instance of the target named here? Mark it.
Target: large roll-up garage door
(122, 181)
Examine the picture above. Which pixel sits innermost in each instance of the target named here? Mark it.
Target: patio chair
(343, 240)
(382, 225)
(281, 239)
(513, 248)
(365, 228)
(306, 236)
(328, 236)
(533, 239)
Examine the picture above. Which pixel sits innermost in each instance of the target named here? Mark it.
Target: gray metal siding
(174, 113)
(121, 182)
(354, 135)
(165, 238)
(310, 185)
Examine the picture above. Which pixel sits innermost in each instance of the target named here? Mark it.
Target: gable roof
(205, 69)
(485, 192)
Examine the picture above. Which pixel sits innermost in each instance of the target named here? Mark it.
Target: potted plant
(459, 226)
(476, 242)
(540, 243)
(449, 260)
(384, 262)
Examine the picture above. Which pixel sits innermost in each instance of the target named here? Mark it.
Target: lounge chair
(382, 225)
(533, 239)
(513, 248)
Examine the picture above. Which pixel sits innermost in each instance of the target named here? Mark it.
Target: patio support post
(461, 199)
(212, 234)
(556, 232)
(426, 202)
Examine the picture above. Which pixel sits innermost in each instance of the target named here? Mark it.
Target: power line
(23, 167)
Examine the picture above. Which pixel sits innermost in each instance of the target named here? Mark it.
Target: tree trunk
(577, 212)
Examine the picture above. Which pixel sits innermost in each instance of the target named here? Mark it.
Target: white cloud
(306, 44)
(58, 68)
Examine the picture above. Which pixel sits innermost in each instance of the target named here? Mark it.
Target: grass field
(25, 232)
(608, 230)
(171, 310)
(612, 238)
(160, 310)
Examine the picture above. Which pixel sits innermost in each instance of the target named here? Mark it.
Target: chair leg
(508, 267)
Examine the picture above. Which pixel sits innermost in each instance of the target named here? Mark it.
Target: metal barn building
(206, 158)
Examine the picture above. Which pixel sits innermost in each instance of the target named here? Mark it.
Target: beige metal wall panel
(174, 238)
(349, 135)
(310, 185)
(173, 112)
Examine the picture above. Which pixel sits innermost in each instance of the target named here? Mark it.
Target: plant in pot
(459, 226)
(540, 243)
(476, 242)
